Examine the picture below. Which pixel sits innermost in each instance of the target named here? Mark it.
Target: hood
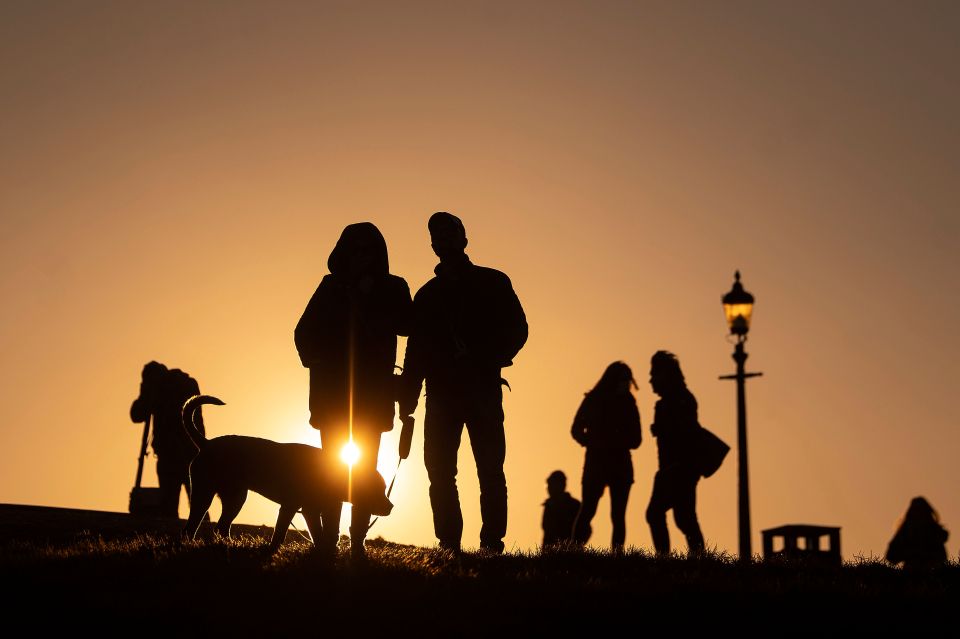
(355, 239)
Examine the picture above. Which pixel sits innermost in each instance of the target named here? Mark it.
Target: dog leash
(389, 490)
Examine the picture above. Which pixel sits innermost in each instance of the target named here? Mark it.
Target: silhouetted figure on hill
(347, 338)
(559, 511)
(676, 426)
(607, 424)
(468, 324)
(162, 394)
(919, 541)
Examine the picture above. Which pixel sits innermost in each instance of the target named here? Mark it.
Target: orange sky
(173, 177)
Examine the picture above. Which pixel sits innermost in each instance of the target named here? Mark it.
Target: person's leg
(442, 428)
(619, 494)
(685, 511)
(325, 536)
(369, 444)
(488, 442)
(170, 478)
(333, 437)
(657, 513)
(592, 491)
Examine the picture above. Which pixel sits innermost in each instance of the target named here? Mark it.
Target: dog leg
(283, 523)
(314, 524)
(232, 502)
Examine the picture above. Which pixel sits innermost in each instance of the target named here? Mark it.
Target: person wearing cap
(467, 325)
(163, 392)
(347, 338)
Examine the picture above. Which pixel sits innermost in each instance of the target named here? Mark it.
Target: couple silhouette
(463, 326)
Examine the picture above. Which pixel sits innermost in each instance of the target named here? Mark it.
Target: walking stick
(143, 452)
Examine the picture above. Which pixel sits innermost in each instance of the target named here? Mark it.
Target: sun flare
(350, 454)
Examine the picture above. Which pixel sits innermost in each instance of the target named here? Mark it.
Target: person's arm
(632, 428)
(139, 411)
(580, 428)
(544, 524)
(658, 414)
(143, 405)
(895, 549)
(312, 329)
(514, 328)
(414, 361)
(402, 308)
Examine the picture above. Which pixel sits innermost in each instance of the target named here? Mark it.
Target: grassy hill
(114, 574)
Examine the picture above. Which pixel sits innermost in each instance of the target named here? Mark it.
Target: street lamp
(738, 307)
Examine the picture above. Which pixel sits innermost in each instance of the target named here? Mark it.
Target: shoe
(358, 551)
(492, 547)
(449, 546)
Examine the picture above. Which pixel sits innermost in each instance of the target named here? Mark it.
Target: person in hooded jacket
(607, 424)
(347, 338)
(468, 324)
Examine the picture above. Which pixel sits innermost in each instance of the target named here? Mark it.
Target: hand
(406, 436)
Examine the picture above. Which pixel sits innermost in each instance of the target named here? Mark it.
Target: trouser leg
(369, 444)
(685, 511)
(591, 493)
(441, 439)
(171, 474)
(618, 514)
(332, 441)
(657, 513)
(489, 446)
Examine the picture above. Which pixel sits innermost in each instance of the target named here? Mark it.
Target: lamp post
(738, 307)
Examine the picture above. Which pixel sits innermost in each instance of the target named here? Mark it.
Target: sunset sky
(173, 177)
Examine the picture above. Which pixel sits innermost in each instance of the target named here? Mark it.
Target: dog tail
(190, 407)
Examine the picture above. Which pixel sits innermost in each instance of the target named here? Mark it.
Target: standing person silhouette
(919, 540)
(347, 338)
(559, 511)
(607, 424)
(467, 325)
(163, 392)
(675, 425)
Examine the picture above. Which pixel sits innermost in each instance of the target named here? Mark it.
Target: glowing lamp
(738, 307)
(350, 453)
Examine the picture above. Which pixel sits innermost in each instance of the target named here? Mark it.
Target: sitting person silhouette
(607, 424)
(559, 510)
(919, 541)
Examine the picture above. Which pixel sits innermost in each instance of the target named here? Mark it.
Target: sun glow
(350, 454)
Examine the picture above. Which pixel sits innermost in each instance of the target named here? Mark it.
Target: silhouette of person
(559, 511)
(467, 325)
(347, 338)
(163, 392)
(675, 425)
(607, 424)
(919, 541)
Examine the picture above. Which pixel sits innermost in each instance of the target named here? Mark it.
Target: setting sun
(350, 454)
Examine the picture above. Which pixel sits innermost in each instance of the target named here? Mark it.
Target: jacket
(676, 426)
(467, 325)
